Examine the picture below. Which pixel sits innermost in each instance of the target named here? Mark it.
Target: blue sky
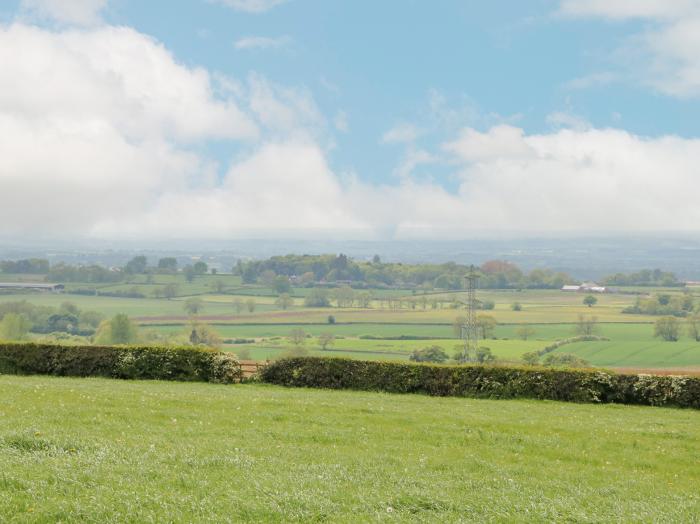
(393, 97)
(381, 62)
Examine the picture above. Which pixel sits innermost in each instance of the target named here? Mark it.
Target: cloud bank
(102, 133)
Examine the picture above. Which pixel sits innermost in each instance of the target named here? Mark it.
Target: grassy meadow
(95, 450)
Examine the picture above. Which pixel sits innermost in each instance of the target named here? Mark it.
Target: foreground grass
(110, 451)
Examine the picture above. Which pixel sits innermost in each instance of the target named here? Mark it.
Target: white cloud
(411, 160)
(251, 6)
(666, 55)
(284, 111)
(566, 181)
(401, 133)
(96, 124)
(622, 9)
(73, 12)
(100, 129)
(567, 119)
(282, 187)
(593, 80)
(261, 42)
(578, 180)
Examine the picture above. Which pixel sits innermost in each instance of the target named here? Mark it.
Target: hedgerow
(485, 381)
(126, 362)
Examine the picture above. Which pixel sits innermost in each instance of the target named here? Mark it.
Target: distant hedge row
(159, 363)
(485, 381)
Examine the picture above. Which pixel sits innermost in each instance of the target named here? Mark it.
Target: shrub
(565, 360)
(485, 381)
(429, 354)
(127, 362)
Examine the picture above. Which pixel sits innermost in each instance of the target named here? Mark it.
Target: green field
(551, 313)
(95, 450)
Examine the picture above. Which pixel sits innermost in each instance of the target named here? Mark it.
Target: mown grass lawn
(94, 450)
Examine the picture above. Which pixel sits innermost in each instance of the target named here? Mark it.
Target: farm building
(586, 287)
(54, 288)
(571, 288)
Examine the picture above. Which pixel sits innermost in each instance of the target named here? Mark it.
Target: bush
(429, 354)
(126, 362)
(485, 381)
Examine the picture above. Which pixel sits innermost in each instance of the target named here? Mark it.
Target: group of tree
(34, 266)
(436, 354)
(95, 273)
(670, 328)
(19, 318)
(310, 270)
(646, 277)
(485, 326)
(241, 305)
(663, 304)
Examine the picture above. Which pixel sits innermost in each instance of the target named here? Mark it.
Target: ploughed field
(99, 450)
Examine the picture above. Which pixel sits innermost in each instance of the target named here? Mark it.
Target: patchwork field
(551, 314)
(114, 451)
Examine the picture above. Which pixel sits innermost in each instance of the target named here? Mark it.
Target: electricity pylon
(470, 332)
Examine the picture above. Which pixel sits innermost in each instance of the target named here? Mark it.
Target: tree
(307, 278)
(344, 296)
(200, 268)
(170, 291)
(204, 335)
(516, 306)
(532, 358)
(281, 285)
(167, 265)
(525, 331)
(484, 355)
(586, 326)
(325, 340)
(590, 300)
(69, 308)
(318, 297)
(457, 326)
(429, 354)
(218, 285)
(667, 328)
(486, 325)
(284, 301)
(189, 273)
(136, 266)
(331, 319)
(14, 327)
(193, 306)
(267, 277)
(238, 305)
(119, 330)
(91, 319)
(63, 321)
(364, 299)
(297, 337)
(694, 327)
(251, 305)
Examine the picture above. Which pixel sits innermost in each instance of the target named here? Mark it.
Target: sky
(396, 119)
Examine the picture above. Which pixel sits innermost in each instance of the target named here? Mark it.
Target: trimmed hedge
(485, 381)
(126, 362)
